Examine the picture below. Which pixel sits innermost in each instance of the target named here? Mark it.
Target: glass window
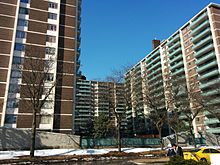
(52, 5)
(52, 27)
(25, 1)
(17, 60)
(16, 74)
(52, 16)
(50, 77)
(23, 10)
(214, 151)
(51, 39)
(45, 119)
(19, 47)
(10, 119)
(20, 34)
(14, 88)
(50, 50)
(22, 22)
(206, 151)
(12, 103)
(47, 105)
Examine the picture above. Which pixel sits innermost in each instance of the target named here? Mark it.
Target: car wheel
(203, 159)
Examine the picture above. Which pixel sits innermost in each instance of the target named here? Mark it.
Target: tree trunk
(119, 137)
(177, 138)
(160, 137)
(33, 134)
(193, 136)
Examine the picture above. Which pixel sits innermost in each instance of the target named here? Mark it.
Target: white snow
(58, 152)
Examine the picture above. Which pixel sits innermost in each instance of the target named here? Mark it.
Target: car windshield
(195, 150)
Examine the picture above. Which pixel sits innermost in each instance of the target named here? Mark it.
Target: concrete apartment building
(192, 53)
(52, 29)
(94, 98)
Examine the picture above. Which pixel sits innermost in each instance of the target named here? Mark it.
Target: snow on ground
(58, 152)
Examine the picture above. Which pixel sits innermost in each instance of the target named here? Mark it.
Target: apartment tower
(191, 54)
(34, 30)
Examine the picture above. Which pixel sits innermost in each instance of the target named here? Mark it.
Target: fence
(126, 142)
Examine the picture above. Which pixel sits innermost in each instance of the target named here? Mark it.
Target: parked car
(202, 154)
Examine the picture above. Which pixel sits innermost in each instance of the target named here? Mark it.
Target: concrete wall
(15, 139)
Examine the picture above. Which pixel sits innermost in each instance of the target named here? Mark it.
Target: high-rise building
(94, 98)
(191, 54)
(51, 30)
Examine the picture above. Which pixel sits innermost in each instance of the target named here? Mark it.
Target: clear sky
(118, 33)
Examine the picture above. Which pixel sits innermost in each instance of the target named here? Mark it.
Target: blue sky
(118, 33)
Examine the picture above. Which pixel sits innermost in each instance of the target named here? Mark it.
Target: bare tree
(117, 101)
(38, 82)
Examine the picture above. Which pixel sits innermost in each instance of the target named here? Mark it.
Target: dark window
(19, 47)
(52, 27)
(206, 151)
(17, 60)
(23, 10)
(214, 151)
(10, 119)
(25, 1)
(50, 50)
(22, 22)
(20, 34)
(52, 16)
(52, 5)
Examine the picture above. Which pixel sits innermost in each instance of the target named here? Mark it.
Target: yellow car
(202, 154)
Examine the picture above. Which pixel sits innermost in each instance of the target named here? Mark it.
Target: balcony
(208, 84)
(173, 39)
(204, 50)
(212, 73)
(213, 130)
(198, 20)
(201, 43)
(155, 60)
(211, 121)
(176, 65)
(179, 71)
(202, 34)
(177, 44)
(176, 58)
(207, 66)
(175, 51)
(150, 56)
(198, 28)
(205, 58)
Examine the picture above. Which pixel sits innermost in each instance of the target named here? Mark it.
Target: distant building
(94, 98)
(52, 28)
(192, 53)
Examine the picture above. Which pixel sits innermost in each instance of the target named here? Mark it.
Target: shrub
(177, 160)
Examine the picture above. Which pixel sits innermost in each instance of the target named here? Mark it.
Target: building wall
(39, 30)
(191, 54)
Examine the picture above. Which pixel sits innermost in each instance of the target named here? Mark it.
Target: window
(16, 74)
(49, 77)
(23, 10)
(51, 39)
(50, 50)
(52, 27)
(20, 34)
(19, 47)
(22, 22)
(17, 60)
(52, 5)
(10, 119)
(14, 88)
(45, 119)
(47, 105)
(12, 103)
(25, 1)
(206, 151)
(52, 16)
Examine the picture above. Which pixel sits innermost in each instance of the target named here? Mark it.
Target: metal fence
(126, 142)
